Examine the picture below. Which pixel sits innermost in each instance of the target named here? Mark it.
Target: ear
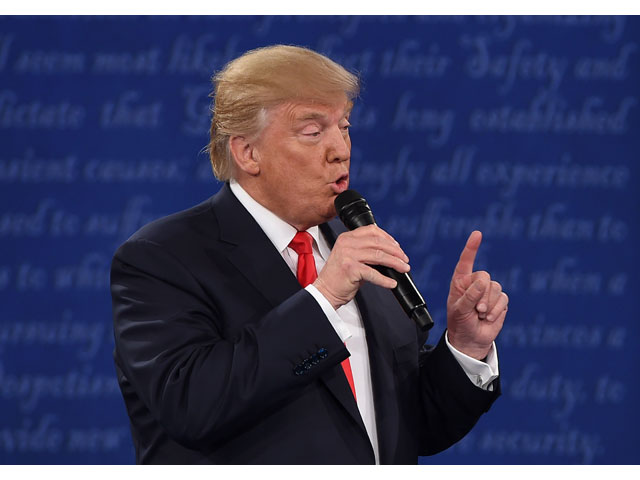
(244, 155)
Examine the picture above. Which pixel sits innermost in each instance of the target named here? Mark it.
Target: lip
(341, 184)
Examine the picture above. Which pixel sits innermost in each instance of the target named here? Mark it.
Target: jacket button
(323, 353)
(315, 359)
(299, 370)
(307, 364)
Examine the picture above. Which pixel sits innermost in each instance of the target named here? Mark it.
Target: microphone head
(346, 198)
(353, 209)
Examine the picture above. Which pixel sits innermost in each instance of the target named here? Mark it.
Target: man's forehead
(297, 111)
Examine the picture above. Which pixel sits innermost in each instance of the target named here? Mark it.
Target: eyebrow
(312, 116)
(318, 116)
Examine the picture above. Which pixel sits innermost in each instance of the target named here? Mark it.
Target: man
(222, 355)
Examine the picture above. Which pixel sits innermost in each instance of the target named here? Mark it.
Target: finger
(376, 230)
(371, 256)
(461, 283)
(499, 308)
(468, 301)
(381, 239)
(468, 255)
(482, 307)
(377, 253)
(373, 276)
(499, 321)
(495, 289)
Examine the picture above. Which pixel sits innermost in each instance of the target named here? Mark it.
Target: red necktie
(301, 244)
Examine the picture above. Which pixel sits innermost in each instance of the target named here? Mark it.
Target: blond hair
(247, 87)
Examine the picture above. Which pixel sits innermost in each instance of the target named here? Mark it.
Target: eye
(311, 131)
(345, 127)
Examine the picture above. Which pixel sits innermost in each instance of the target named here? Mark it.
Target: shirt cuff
(482, 374)
(339, 325)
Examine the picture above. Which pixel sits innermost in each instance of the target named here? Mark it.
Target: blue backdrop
(523, 127)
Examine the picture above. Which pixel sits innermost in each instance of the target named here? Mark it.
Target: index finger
(468, 255)
(393, 246)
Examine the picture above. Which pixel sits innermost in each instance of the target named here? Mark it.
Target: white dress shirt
(346, 320)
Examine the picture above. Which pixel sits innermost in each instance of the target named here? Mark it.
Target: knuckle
(372, 275)
(473, 293)
(348, 265)
(368, 275)
(368, 230)
(479, 286)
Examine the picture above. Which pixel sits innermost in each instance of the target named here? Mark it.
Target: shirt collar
(279, 232)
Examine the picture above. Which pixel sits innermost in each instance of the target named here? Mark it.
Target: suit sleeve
(200, 385)
(451, 403)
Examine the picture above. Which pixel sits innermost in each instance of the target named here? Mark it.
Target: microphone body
(354, 211)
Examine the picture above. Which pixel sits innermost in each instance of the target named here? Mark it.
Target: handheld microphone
(354, 211)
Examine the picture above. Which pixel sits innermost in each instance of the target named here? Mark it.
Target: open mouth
(341, 184)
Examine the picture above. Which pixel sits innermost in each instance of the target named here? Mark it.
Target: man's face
(303, 155)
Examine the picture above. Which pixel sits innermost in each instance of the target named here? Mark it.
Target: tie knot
(301, 243)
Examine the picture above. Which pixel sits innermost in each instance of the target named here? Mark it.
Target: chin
(322, 217)
(330, 213)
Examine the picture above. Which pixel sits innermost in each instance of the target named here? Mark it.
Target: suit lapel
(380, 345)
(386, 328)
(337, 382)
(253, 254)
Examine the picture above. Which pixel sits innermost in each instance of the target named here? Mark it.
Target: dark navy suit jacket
(222, 357)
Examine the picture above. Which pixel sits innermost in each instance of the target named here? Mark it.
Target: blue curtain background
(523, 127)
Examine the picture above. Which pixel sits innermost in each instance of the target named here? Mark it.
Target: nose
(339, 146)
